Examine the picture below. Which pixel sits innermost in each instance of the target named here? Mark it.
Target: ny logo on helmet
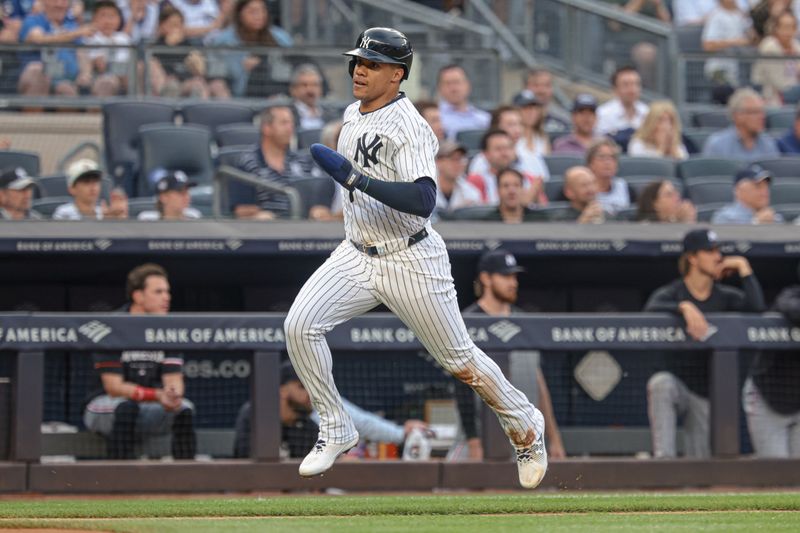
(368, 152)
(366, 42)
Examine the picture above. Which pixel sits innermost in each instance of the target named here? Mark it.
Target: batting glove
(338, 167)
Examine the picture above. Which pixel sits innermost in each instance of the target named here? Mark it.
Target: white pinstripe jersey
(393, 143)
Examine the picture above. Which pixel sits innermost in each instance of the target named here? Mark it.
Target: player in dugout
(681, 390)
(140, 393)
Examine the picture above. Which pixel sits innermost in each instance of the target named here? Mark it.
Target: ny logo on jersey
(368, 152)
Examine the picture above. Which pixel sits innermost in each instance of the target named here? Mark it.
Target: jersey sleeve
(415, 157)
(172, 363)
(107, 363)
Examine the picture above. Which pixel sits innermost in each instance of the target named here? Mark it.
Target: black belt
(373, 251)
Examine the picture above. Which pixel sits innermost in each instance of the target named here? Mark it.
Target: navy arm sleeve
(415, 198)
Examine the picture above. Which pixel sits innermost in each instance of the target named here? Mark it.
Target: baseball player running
(391, 255)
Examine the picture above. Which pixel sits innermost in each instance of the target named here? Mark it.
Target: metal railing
(226, 174)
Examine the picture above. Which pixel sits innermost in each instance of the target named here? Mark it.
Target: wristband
(144, 394)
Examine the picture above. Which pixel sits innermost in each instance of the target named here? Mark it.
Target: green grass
(462, 513)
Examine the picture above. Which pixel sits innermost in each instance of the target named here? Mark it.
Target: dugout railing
(26, 337)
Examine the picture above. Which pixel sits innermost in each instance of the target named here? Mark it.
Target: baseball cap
(15, 179)
(82, 169)
(584, 101)
(448, 148)
(173, 180)
(700, 239)
(499, 262)
(755, 173)
(525, 98)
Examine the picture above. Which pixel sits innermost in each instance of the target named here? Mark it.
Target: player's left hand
(337, 166)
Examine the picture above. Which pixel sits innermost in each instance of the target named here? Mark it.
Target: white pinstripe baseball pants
(416, 285)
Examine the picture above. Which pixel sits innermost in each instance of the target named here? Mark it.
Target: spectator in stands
(498, 150)
(660, 133)
(84, 183)
(539, 81)
(16, 192)
(580, 189)
(511, 208)
(456, 112)
(173, 201)
(141, 19)
(763, 11)
(299, 421)
(726, 29)
(496, 288)
(251, 26)
(643, 53)
(53, 26)
(453, 191)
(9, 26)
(534, 141)
(142, 392)
(745, 139)
(273, 161)
(584, 119)
(660, 201)
(509, 119)
(692, 12)
(681, 390)
(430, 112)
(613, 192)
(305, 88)
(109, 65)
(184, 74)
(200, 16)
(625, 111)
(751, 199)
(790, 142)
(775, 77)
(771, 397)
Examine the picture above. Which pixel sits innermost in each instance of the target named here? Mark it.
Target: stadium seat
(230, 155)
(780, 119)
(554, 188)
(782, 167)
(718, 118)
(698, 167)
(627, 215)
(690, 38)
(785, 193)
(306, 138)
(203, 199)
(56, 186)
(121, 123)
(137, 205)
(314, 191)
(646, 166)
(559, 164)
(706, 211)
(698, 138)
(638, 184)
(471, 139)
(710, 191)
(790, 212)
(553, 208)
(47, 206)
(237, 134)
(172, 147)
(474, 212)
(15, 158)
(216, 114)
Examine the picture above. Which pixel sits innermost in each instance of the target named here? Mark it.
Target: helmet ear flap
(352, 66)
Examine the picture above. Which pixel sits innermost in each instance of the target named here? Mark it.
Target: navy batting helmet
(383, 45)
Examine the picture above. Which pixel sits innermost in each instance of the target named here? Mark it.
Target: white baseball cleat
(323, 455)
(532, 461)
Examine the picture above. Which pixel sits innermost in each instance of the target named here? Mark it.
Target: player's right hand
(696, 323)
